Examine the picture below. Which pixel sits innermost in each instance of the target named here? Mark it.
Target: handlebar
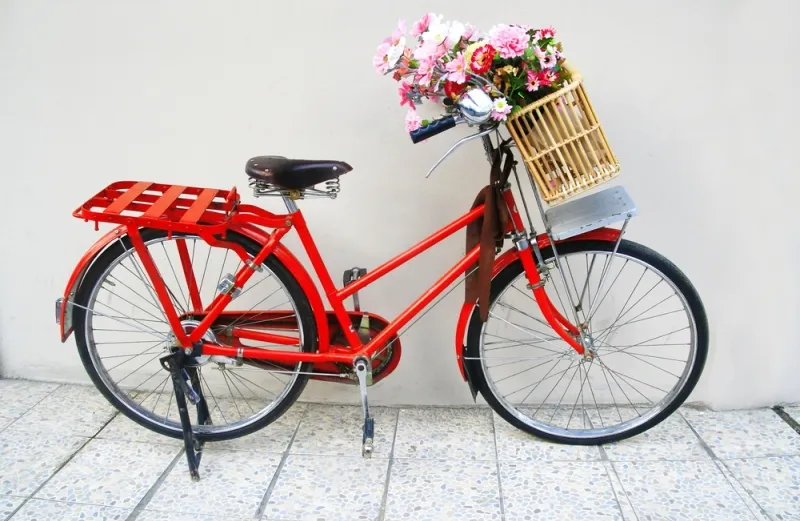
(436, 127)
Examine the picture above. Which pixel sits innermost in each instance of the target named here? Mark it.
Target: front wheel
(645, 326)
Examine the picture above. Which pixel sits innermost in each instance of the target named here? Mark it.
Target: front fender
(64, 311)
(500, 263)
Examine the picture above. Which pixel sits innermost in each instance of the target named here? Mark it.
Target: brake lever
(456, 145)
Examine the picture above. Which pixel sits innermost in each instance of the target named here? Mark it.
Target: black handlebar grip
(430, 130)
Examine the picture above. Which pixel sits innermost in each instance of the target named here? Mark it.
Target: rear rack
(162, 206)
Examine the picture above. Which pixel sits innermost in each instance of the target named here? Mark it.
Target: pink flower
(404, 90)
(547, 32)
(425, 71)
(547, 78)
(430, 49)
(539, 52)
(457, 68)
(380, 61)
(413, 121)
(509, 40)
(533, 81)
(548, 61)
(421, 25)
(397, 33)
(469, 31)
(500, 109)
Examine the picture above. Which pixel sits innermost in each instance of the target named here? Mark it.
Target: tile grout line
(385, 496)
(262, 507)
(140, 506)
(497, 466)
(781, 412)
(56, 471)
(622, 486)
(716, 461)
(46, 396)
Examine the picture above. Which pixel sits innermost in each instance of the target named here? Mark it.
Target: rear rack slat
(164, 202)
(193, 214)
(187, 209)
(119, 205)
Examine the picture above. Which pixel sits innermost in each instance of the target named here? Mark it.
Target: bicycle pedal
(368, 442)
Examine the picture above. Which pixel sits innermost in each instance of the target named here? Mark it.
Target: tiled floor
(66, 455)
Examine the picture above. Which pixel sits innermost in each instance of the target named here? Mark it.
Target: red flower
(548, 32)
(481, 59)
(453, 89)
(404, 91)
(547, 78)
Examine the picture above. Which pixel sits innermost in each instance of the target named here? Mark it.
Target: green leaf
(413, 64)
(425, 122)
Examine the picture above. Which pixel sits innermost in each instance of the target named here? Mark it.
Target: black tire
(654, 259)
(115, 250)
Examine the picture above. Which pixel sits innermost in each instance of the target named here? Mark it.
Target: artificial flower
(547, 32)
(425, 71)
(437, 33)
(453, 90)
(509, 40)
(398, 33)
(413, 121)
(406, 90)
(469, 32)
(456, 69)
(500, 109)
(549, 61)
(551, 77)
(533, 81)
(455, 34)
(479, 57)
(421, 25)
(379, 61)
(395, 52)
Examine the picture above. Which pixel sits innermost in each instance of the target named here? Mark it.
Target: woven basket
(562, 143)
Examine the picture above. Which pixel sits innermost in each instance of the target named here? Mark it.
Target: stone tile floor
(65, 454)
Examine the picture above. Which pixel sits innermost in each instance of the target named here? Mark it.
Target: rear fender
(64, 311)
(543, 241)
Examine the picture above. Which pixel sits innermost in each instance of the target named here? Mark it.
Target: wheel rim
(633, 376)
(128, 317)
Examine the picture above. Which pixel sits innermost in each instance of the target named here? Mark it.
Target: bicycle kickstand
(363, 369)
(186, 383)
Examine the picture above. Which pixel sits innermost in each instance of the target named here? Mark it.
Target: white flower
(500, 105)
(437, 32)
(456, 32)
(395, 52)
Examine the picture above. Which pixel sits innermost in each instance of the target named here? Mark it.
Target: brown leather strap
(488, 229)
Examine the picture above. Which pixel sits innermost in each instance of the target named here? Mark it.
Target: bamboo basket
(562, 143)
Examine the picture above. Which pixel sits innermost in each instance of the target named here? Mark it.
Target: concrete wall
(698, 99)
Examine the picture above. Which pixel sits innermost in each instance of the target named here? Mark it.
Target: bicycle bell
(476, 106)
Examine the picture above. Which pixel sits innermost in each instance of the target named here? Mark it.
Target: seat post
(291, 206)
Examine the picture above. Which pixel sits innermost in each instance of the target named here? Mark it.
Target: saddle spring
(262, 189)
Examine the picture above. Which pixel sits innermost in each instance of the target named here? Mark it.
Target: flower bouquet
(515, 64)
(541, 101)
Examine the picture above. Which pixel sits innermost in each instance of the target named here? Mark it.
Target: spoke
(621, 315)
(129, 355)
(225, 377)
(118, 281)
(254, 306)
(252, 382)
(594, 399)
(535, 385)
(645, 361)
(626, 377)
(161, 321)
(523, 343)
(139, 273)
(613, 398)
(604, 366)
(589, 268)
(144, 327)
(607, 291)
(143, 382)
(153, 345)
(642, 319)
(513, 360)
(514, 308)
(558, 405)
(523, 371)
(208, 388)
(160, 394)
(268, 276)
(563, 373)
(580, 397)
(644, 342)
(169, 407)
(222, 268)
(203, 276)
(122, 341)
(524, 330)
(242, 395)
(177, 281)
(134, 371)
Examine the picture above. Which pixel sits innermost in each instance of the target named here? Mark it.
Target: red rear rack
(167, 207)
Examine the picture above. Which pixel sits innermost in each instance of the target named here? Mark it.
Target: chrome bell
(476, 106)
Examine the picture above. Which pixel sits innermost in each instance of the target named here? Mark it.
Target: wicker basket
(562, 143)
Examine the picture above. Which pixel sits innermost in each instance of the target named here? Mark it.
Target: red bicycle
(585, 337)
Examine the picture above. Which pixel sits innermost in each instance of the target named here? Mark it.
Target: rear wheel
(121, 332)
(646, 326)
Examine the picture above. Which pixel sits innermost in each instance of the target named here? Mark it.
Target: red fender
(601, 234)
(250, 231)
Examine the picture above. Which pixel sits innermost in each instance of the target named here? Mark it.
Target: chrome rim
(127, 333)
(635, 320)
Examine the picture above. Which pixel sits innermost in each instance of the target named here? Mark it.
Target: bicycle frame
(336, 297)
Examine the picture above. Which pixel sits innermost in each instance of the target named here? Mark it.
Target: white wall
(698, 100)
